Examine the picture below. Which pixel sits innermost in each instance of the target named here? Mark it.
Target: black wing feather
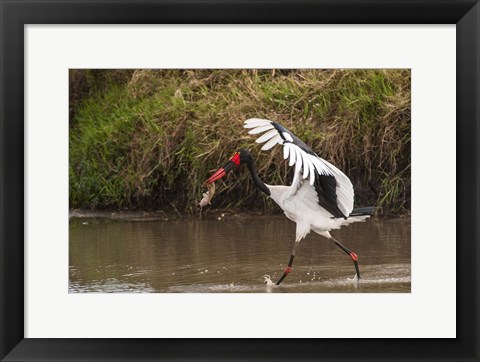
(325, 186)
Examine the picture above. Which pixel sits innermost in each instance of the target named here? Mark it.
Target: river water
(234, 253)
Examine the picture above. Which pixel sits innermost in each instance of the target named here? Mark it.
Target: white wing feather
(265, 137)
(312, 172)
(273, 141)
(260, 129)
(306, 166)
(286, 152)
(298, 159)
(292, 154)
(255, 122)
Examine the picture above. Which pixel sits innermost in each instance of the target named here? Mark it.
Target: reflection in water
(234, 254)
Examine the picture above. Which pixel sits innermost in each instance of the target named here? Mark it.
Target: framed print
(187, 75)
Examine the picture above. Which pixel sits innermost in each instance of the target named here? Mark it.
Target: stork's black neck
(256, 180)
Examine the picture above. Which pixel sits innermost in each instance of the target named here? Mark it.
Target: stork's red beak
(222, 171)
(216, 176)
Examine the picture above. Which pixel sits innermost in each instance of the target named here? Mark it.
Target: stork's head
(239, 157)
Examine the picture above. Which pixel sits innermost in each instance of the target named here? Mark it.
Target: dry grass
(149, 138)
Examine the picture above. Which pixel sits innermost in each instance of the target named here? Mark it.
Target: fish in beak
(222, 171)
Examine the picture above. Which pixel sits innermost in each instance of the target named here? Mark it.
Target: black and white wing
(334, 189)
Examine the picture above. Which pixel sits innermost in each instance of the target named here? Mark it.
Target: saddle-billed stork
(320, 197)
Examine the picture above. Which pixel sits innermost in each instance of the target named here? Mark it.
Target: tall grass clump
(147, 139)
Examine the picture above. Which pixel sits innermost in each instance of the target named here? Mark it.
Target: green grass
(147, 139)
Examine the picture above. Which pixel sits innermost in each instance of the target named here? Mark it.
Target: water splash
(267, 280)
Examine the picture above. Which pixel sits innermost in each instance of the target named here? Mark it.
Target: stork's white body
(300, 204)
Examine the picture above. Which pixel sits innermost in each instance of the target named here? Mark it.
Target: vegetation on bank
(147, 139)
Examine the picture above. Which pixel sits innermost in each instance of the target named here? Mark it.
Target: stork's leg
(288, 268)
(349, 252)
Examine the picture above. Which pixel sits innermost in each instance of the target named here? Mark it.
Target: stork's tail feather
(358, 215)
(362, 211)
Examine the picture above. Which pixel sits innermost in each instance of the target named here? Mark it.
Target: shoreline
(206, 214)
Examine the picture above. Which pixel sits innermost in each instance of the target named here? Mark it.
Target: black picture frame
(15, 14)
